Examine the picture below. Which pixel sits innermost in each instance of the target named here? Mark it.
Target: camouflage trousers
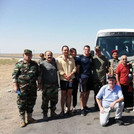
(49, 93)
(27, 99)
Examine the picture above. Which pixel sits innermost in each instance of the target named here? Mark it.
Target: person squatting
(70, 72)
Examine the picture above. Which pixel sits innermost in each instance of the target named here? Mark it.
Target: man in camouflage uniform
(49, 81)
(113, 63)
(24, 78)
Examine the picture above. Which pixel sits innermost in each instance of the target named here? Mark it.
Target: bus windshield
(124, 45)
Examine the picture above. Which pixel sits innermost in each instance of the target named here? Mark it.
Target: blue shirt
(76, 60)
(108, 95)
(85, 66)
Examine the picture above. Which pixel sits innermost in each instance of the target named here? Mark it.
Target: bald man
(122, 78)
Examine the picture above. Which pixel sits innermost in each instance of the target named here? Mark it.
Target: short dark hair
(86, 46)
(72, 49)
(41, 54)
(65, 46)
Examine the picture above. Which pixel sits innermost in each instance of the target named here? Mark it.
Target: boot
(22, 121)
(45, 117)
(30, 119)
(53, 114)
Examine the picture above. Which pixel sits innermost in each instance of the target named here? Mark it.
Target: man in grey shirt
(49, 84)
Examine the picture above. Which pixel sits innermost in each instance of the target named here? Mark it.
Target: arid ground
(9, 116)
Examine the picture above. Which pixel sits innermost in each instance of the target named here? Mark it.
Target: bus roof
(115, 32)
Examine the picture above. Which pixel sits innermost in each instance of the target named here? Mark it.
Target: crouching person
(49, 82)
(25, 76)
(110, 98)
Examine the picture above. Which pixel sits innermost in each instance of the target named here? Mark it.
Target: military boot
(22, 121)
(30, 119)
(45, 117)
(53, 114)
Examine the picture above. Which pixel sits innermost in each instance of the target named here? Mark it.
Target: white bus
(119, 39)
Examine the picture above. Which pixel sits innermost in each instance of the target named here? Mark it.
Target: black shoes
(119, 121)
(87, 109)
(95, 109)
(126, 110)
(83, 113)
(69, 113)
(61, 114)
(45, 117)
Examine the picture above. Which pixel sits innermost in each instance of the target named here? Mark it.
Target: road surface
(76, 124)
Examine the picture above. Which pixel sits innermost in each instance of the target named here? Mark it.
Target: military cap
(27, 51)
(97, 48)
(114, 51)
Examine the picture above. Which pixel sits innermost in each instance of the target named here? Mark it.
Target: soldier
(49, 80)
(100, 68)
(113, 63)
(24, 78)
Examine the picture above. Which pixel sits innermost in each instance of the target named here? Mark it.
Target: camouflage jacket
(25, 73)
(113, 66)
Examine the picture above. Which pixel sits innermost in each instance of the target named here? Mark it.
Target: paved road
(76, 124)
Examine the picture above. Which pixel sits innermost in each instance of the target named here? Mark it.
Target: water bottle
(70, 84)
(18, 92)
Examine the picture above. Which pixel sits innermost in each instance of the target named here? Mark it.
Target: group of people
(71, 72)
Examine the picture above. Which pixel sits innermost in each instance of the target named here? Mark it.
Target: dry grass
(8, 61)
(8, 108)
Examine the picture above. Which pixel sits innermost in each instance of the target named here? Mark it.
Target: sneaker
(83, 112)
(119, 121)
(61, 114)
(87, 109)
(66, 109)
(133, 108)
(126, 110)
(74, 110)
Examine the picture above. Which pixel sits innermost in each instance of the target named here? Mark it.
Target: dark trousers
(125, 92)
(74, 93)
(97, 85)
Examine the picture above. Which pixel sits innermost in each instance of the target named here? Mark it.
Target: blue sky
(42, 25)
